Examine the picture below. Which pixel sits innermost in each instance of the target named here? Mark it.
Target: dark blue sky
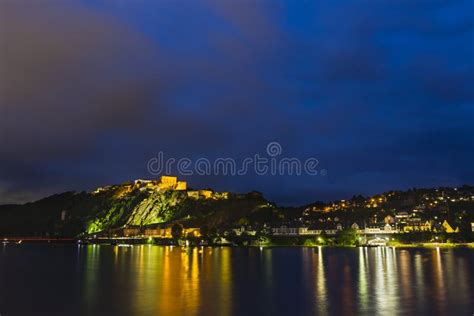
(381, 92)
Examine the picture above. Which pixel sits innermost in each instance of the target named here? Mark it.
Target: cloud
(91, 91)
(68, 75)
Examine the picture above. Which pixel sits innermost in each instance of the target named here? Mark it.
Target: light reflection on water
(155, 280)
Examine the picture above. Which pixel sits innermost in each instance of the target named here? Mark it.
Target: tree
(204, 230)
(243, 221)
(322, 239)
(262, 240)
(347, 237)
(177, 231)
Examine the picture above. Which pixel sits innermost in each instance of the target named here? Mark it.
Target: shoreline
(137, 242)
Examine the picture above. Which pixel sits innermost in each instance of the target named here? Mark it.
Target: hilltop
(137, 203)
(148, 202)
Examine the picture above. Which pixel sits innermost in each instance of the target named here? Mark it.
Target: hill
(133, 204)
(147, 202)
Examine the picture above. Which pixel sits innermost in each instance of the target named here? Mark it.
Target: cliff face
(149, 206)
(138, 208)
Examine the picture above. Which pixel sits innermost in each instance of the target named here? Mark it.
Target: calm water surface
(156, 280)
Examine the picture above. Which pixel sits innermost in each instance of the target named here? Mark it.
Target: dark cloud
(381, 92)
(69, 74)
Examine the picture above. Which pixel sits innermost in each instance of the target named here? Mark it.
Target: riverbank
(186, 243)
(431, 245)
(397, 245)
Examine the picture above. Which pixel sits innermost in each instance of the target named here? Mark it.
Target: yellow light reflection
(321, 288)
(363, 275)
(91, 276)
(438, 277)
(225, 302)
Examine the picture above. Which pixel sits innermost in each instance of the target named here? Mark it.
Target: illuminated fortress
(165, 183)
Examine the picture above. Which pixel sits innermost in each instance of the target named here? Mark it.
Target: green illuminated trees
(347, 237)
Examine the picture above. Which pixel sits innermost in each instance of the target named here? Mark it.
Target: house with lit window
(131, 231)
(448, 228)
(158, 230)
(289, 230)
(416, 224)
(381, 228)
(247, 229)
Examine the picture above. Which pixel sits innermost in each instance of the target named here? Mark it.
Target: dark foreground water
(155, 280)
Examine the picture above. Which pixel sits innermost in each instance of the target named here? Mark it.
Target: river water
(160, 280)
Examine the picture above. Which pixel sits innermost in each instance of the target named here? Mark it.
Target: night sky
(381, 92)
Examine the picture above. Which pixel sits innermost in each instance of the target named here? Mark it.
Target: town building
(172, 183)
(159, 231)
(290, 230)
(401, 217)
(192, 232)
(63, 215)
(416, 224)
(164, 231)
(381, 228)
(200, 194)
(241, 229)
(207, 194)
(131, 231)
(301, 230)
(448, 228)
